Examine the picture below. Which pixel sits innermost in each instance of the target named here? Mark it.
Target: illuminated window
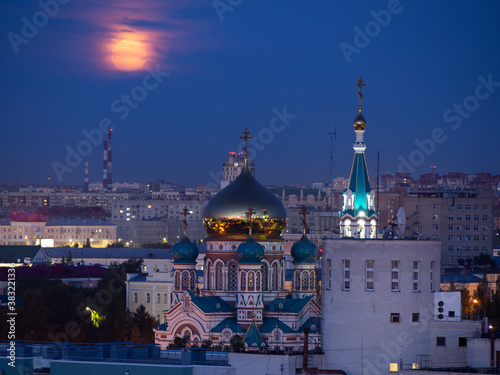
(394, 367)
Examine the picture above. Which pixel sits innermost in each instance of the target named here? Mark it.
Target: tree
(145, 324)
(69, 259)
(206, 344)
(87, 243)
(181, 342)
(484, 260)
(237, 343)
(116, 244)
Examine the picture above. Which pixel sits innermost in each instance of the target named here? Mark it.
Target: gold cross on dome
(185, 212)
(360, 84)
(246, 137)
(304, 212)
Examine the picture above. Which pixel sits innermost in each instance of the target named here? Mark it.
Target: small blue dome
(184, 251)
(250, 251)
(304, 251)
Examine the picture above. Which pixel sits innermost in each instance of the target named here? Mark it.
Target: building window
(134, 299)
(158, 298)
(416, 266)
(476, 207)
(459, 249)
(485, 217)
(393, 367)
(440, 341)
(370, 275)
(485, 207)
(451, 314)
(435, 217)
(459, 217)
(148, 297)
(415, 317)
(346, 265)
(450, 249)
(395, 276)
(450, 259)
(395, 318)
(459, 237)
(467, 217)
(467, 207)
(462, 341)
(476, 249)
(165, 298)
(476, 217)
(434, 206)
(450, 217)
(435, 227)
(459, 206)
(450, 227)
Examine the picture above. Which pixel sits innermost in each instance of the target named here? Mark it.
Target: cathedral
(244, 275)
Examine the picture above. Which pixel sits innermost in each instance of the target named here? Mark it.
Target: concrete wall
(358, 335)
(262, 364)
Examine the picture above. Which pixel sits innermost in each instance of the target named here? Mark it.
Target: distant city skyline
(180, 81)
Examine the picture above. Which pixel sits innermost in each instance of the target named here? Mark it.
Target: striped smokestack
(110, 177)
(105, 167)
(86, 177)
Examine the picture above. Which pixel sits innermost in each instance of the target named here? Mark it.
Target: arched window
(251, 281)
(274, 280)
(218, 274)
(305, 280)
(185, 280)
(243, 281)
(257, 281)
(311, 280)
(193, 280)
(264, 276)
(207, 278)
(233, 277)
(297, 280)
(177, 282)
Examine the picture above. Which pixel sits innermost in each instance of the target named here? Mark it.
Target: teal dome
(184, 251)
(304, 251)
(250, 251)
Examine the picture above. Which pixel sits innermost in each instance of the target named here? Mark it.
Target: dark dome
(304, 251)
(184, 251)
(225, 214)
(250, 251)
(359, 122)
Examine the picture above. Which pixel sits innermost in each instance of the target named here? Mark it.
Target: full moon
(129, 55)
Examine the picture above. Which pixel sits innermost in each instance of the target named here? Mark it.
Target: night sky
(199, 72)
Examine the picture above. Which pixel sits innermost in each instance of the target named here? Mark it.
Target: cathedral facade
(244, 275)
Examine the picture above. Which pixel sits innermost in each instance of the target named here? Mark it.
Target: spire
(246, 137)
(185, 212)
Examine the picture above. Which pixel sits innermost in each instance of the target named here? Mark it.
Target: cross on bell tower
(360, 84)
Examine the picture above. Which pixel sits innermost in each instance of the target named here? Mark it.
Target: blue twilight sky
(284, 69)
